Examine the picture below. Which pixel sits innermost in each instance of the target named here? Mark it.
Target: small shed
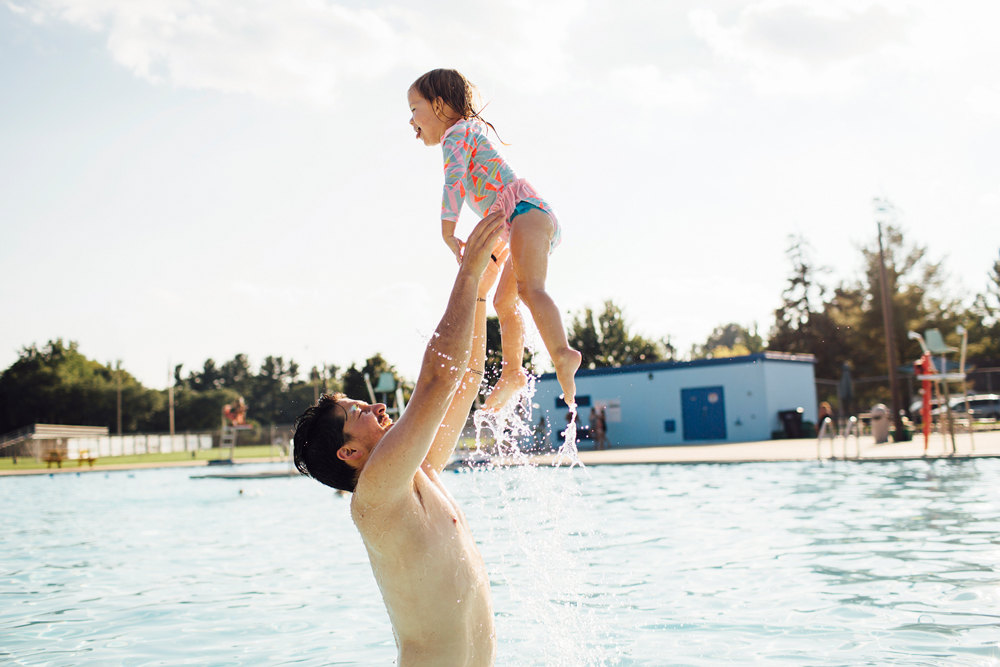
(706, 401)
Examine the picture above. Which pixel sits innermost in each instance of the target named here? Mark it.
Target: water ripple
(804, 564)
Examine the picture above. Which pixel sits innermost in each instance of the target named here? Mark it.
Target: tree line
(840, 323)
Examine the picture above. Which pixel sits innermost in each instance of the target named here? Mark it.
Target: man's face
(364, 426)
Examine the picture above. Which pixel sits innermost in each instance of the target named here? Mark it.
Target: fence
(141, 443)
(868, 391)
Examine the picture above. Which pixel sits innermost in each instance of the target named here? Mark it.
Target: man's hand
(479, 247)
(498, 259)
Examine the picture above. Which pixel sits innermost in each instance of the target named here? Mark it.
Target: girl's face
(429, 119)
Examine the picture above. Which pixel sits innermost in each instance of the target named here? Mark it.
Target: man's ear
(348, 453)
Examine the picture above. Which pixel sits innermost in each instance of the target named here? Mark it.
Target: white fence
(126, 445)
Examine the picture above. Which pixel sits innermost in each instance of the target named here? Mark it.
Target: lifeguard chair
(932, 342)
(234, 420)
(386, 387)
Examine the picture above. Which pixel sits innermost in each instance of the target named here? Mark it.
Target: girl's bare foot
(567, 362)
(506, 387)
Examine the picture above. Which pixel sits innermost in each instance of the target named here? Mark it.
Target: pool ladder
(828, 430)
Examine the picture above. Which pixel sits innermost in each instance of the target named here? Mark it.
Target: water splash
(568, 452)
(545, 517)
(509, 427)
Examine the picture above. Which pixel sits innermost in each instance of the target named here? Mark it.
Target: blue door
(704, 413)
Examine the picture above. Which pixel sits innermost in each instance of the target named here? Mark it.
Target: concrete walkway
(105, 467)
(987, 444)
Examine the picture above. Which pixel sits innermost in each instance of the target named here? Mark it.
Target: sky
(183, 180)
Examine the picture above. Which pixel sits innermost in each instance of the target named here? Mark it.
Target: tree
(729, 340)
(354, 379)
(983, 322)
(918, 297)
(607, 340)
(200, 410)
(208, 378)
(237, 375)
(57, 384)
(268, 401)
(803, 323)
(324, 380)
(845, 324)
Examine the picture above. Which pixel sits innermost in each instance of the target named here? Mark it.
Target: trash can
(880, 423)
(791, 421)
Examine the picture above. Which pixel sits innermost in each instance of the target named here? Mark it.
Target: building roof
(672, 365)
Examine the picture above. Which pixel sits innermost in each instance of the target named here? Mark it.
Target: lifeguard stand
(234, 417)
(386, 387)
(932, 342)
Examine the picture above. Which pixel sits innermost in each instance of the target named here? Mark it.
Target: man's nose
(378, 408)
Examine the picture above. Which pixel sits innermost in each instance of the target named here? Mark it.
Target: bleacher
(47, 442)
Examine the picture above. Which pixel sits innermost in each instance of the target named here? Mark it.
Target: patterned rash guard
(476, 172)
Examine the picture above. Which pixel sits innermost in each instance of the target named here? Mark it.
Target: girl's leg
(530, 236)
(512, 377)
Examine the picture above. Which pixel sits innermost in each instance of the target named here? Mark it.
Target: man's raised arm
(402, 450)
(458, 412)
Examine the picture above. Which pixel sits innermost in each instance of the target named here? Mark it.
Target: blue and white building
(707, 401)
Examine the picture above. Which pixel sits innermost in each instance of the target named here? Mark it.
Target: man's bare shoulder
(404, 518)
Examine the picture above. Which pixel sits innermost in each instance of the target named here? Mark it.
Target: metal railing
(828, 430)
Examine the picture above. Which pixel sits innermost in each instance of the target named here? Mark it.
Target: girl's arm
(458, 148)
(448, 233)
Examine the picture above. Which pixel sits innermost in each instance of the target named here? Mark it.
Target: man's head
(334, 438)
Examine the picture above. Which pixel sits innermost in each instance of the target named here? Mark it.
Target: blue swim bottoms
(524, 207)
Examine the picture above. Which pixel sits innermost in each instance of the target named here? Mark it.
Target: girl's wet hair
(454, 90)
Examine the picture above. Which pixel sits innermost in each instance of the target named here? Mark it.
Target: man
(427, 565)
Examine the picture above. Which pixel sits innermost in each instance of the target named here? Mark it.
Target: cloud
(311, 49)
(799, 47)
(985, 100)
(647, 87)
(273, 50)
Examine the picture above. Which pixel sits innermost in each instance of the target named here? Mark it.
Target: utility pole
(883, 208)
(118, 378)
(170, 400)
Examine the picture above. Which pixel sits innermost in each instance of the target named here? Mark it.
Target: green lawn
(257, 451)
(261, 451)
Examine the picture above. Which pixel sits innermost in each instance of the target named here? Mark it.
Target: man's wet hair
(319, 435)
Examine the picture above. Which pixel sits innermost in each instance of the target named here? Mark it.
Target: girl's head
(439, 99)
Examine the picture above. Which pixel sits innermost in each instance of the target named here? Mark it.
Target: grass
(258, 451)
(255, 451)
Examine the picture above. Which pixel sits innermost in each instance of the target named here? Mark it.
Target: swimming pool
(778, 563)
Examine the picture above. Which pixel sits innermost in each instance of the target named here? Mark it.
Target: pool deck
(70, 468)
(987, 445)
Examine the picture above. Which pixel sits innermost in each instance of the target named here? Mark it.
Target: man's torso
(431, 575)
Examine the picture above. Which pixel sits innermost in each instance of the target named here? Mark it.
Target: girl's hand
(457, 246)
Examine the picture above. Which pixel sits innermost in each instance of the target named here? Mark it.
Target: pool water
(778, 564)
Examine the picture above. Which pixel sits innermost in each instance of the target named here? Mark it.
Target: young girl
(443, 112)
